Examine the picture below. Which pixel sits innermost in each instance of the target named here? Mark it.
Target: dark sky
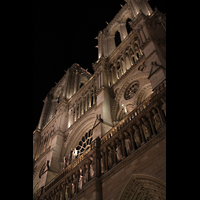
(63, 34)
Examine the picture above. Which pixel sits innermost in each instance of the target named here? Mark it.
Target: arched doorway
(143, 187)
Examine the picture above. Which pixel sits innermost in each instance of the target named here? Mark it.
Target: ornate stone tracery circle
(131, 90)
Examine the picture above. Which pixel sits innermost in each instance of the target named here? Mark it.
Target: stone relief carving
(80, 183)
(142, 67)
(156, 118)
(137, 136)
(102, 163)
(146, 128)
(127, 143)
(92, 167)
(86, 174)
(119, 150)
(110, 157)
(143, 187)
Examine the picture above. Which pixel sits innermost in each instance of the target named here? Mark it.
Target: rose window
(131, 90)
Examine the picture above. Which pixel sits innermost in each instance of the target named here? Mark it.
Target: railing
(129, 135)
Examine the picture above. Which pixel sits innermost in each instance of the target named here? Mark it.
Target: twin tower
(131, 66)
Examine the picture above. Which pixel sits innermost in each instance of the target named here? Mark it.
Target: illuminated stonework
(85, 143)
(131, 90)
(96, 131)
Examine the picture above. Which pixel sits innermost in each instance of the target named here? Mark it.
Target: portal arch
(143, 187)
(78, 132)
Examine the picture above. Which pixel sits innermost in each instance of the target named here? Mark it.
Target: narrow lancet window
(117, 39)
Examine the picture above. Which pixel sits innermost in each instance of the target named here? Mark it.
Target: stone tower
(108, 127)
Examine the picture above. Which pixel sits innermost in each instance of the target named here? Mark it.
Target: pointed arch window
(128, 27)
(117, 39)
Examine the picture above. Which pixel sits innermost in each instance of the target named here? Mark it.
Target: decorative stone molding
(141, 187)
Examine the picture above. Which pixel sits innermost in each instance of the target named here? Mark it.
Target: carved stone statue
(102, 163)
(110, 157)
(137, 136)
(66, 193)
(73, 189)
(91, 167)
(156, 119)
(73, 185)
(86, 175)
(70, 158)
(119, 150)
(68, 163)
(127, 143)
(164, 105)
(146, 128)
(80, 182)
(74, 154)
(65, 163)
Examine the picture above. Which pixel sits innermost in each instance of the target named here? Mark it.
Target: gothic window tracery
(84, 144)
(131, 90)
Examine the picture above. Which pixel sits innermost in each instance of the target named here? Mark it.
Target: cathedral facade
(102, 136)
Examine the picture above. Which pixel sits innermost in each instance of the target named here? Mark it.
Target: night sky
(63, 34)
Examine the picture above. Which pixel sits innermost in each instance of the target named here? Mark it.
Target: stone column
(90, 100)
(116, 74)
(123, 31)
(86, 103)
(121, 69)
(99, 79)
(76, 82)
(94, 95)
(102, 78)
(130, 60)
(75, 117)
(112, 77)
(79, 110)
(82, 104)
(124, 66)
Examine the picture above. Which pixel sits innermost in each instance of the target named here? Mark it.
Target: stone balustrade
(137, 129)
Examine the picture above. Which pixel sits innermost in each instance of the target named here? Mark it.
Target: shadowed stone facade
(102, 136)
